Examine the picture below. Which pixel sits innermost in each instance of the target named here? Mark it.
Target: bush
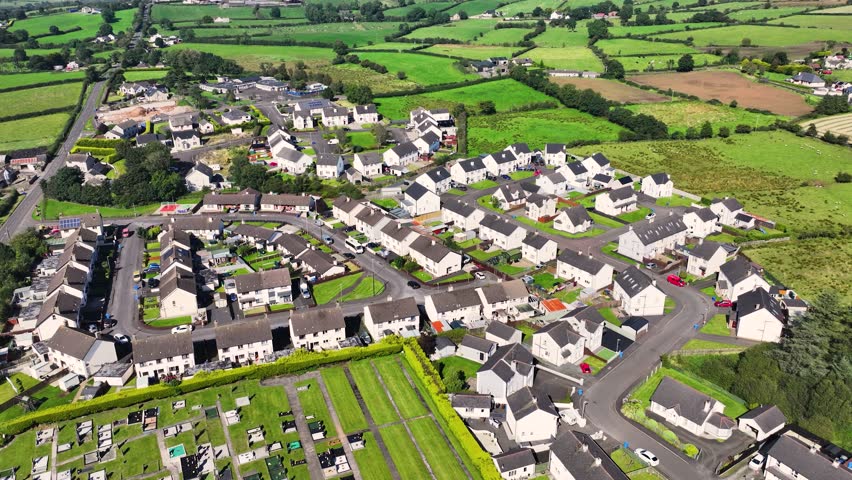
(690, 450)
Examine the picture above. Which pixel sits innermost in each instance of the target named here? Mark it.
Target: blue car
(506, 177)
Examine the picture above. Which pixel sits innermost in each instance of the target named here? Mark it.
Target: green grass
(674, 201)
(22, 79)
(576, 58)
(467, 367)
(511, 270)
(6, 390)
(373, 393)
(734, 407)
(257, 54)
(718, 325)
(527, 6)
(681, 115)
(140, 75)
(650, 29)
(485, 202)
(606, 222)
(55, 209)
(464, 31)
(457, 278)
(610, 250)
(45, 398)
(404, 453)
(366, 288)
(328, 291)
(422, 275)
(404, 396)
(421, 69)
(89, 24)
(626, 460)
(189, 13)
(562, 38)
(370, 460)
(669, 305)
(438, 453)
(313, 403)
(763, 36)
(650, 63)
(521, 174)
(343, 398)
(31, 132)
(709, 291)
(546, 280)
(474, 52)
(428, 7)
(698, 344)
(387, 203)
(595, 364)
(455, 191)
(548, 228)
(170, 322)
(503, 36)
(492, 133)
(609, 316)
(483, 184)
(630, 46)
(365, 140)
(636, 215)
(352, 33)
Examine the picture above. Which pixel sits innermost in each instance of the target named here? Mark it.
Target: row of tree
(19, 256)
(247, 175)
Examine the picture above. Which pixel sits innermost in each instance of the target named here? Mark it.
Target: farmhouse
(652, 239)
(365, 114)
(163, 355)
(586, 271)
(552, 184)
(555, 154)
(471, 405)
(531, 416)
(572, 220)
(576, 456)
(468, 171)
(245, 342)
(393, 317)
(418, 200)
(369, 164)
(700, 222)
(397, 238)
(638, 294)
(657, 185)
(558, 344)
(761, 422)
(318, 329)
(436, 180)
(500, 301)
(270, 287)
(807, 79)
(737, 277)
(476, 349)
(505, 235)
(461, 214)
(329, 165)
(502, 334)
(705, 259)
(507, 370)
(81, 353)
(616, 202)
(518, 463)
(540, 206)
(759, 317)
(695, 412)
(538, 249)
(434, 257)
(726, 209)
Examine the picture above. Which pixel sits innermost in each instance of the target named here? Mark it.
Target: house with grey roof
(455, 305)
(163, 355)
(504, 234)
(471, 405)
(476, 349)
(759, 316)
(397, 238)
(576, 456)
(334, 116)
(794, 457)
(80, 352)
(502, 334)
(436, 180)
(292, 161)
(319, 263)
(558, 344)
(762, 422)
(589, 323)
(235, 117)
(468, 171)
(648, 240)
(258, 289)
(531, 417)
(369, 164)
(370, 220)
(572, 220)
(807, 79)
(575, 173)
(588, 272)
(290, 245)
(744, 221)
(599, 181)
(183, 140)
(245, 342)
(538, 249)
(418, 200)
(510, 195)
(517, 463)
(346, 209)
(615, 202)
(502, 163)
(428, 142)
(461, 214)
(726, 209)
(540, 206)
(245, 200)
(705, 259)
(598, 164)
(329, 165)
(555, 154)
(687, 408)
(287, 203)
(657, 185)
(199, 177)
(401, 155)
(317, 329)
(553, 183)
(393, 317)
(737, 277)
(521, 151)
(444, 347)
(701, 222)
(508, 369)
(365, 114)
(638, 295)
(434, 257)
(501, 301)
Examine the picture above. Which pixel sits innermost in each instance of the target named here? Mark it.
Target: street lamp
(617, 345)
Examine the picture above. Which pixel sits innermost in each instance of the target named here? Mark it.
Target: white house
(726, 209)
(531, 416)
(516, 464)
(700, 222)
(500, 301)
(434, 257)
(762, 422)
(807, 79)
(199, 177)
(588, 272)
(737, 277)
(303, 120)
(293, 161)
(335, 116)
(370, 221)
(243, 201)
(471, 405)
(397, 238)
(502, 334)
(476, 349)
(576, 456)
(436, 180)
(329, 165)
(418, 200)
(393, 317)
(245, 342)
(468, 171)
(183, 122)
(652, 239)
(428, 143)
(502, 163)
(510, 195)
(401, 155)
(256, 289)
(369, 164)
(705, 259)
(552, 183)
(162, 355)
(185, 140)
(346, 209)
(687, 408)
(555, 154)
(463, 305)
(287, 203)
(616, 202)
(598, 164)
(505, 235)
(522, 152)
(538, 249)
(178, 294)
(235, 117)
(507, 370)
(461, 214)
(558, 344)
(794, 456)
(540, 206)
(81, 353)
(638, 294)
(589, 323)
(365, 114)
(759, 317)
(657, 185)
(575, 173)
(317, 329)
(572, 220)
(319, 263)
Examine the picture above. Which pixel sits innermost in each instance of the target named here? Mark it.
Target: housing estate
(538, 249)
(163, 355)
(652, 239)
(531, 416)
(616, 202)
(270, 287)
(638, 294)
(245, 342)
(572, 220)
(393, 317)
(317, 329)
(695, 412)
(705, 259)
(587, 271)
(507, 370)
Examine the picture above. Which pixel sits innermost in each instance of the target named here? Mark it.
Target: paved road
(21, 218)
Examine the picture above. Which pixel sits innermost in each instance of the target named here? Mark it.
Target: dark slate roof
(416, 191)
(807, 77)
(660, 178)
(536, 241)
(477, 343)
(253, 231)
(146, 138)
(500, 330)
(363, 109)
(72, 342)
(706, 249)
(456, 299)
(742, 217)
(471, 164)
(584, 262)
(317, 260)
(243, 333)
(438, 174)
(577, 215)
(430, 249)
(394, 310)
(561, 333)
(635, 323)
(162, 346)
(328, 159)
(568, 448)
(430, 137)
(767, 417)
(443, 342)
(369, 158)
(577, 168)
(602, 178)
(538, 199)
(730, 203)
(288, 199)
(600, 159)
(305, 322)
(704, 214)
(527, 401)
(397, 231)
(553, 148)
(457, 206)
(624, 181)
(632, 281)
(797, 456)
(186, 134)
(687, 401)
(292, 244)
(504, 291)
(520, 148)
(264, 280)
(471, 400)
(653, 232)
(514, 459)
(512, 192)
(405, 149)
(497, 224)
(203, 168)
(507, 360)
(759, 299)
(620, 193)
(504, 156)
(555, 178)
(588, 314)
(736, 270)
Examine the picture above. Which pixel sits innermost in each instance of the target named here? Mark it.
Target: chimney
(449, 288)
(654, 282)
(707, 405)
(399, 226)
(700, 241)
(433, 242)
(836, 463)
(590, 254)
(630, 228)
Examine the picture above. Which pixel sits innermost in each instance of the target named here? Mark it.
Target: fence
(710, 351)
(752, 243)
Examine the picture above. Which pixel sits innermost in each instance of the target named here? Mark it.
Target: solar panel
(69, 223)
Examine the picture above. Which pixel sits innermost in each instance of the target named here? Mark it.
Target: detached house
(270, 287)
(737, 277)
(401, 155)
(695, 412)
(700, 222)
(576, 456)
(531, 416)
(706, 259)
(461, 214)
(317, 329)
(183, 140)
(500, 301)
(434, 257)
(558, 344)
(555, 154)
(598, 164)
(540, 206)
(505, 235)
(369, 164)
(200, 176)
(508, 369)
(462, 305)
(245, 342)
(502, 163)
(552, 184)
(124, 130)
(418, 200)
(658, 185)
(365, 114)
(436, 180)
(510, 195)
(638, 294)
(161, 355)
(502, 334)
(393, 317)
(538, 249)
(572, 220)
(791, 457)
(652, 239)
(468, 171)
(81, 353)
(726, 209)
(575, 173)
(335, 116)
(522, 152)
(807, 79)
(235, 117)
(588, 272)
(616, 202)
(759, 317)
(329, 165)
(293, 161)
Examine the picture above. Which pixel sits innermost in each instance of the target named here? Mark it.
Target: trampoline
(177, 451)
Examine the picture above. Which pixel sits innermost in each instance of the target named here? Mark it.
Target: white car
(182, 329)
(756, 462)
(479, 275)
(121, 338)
(650, 216)
(647, 457)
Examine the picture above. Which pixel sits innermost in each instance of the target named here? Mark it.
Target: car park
(414, 285)
(723, 303)
(647, 457)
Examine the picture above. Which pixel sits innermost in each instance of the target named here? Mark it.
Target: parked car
(153, 283)
(348, 255)
(647, 457)
(182, 329)
(121, 338)
(349, 229)
(327, 239)
(756, 462)
(92, 328)
(505, 177)
(676, 280)
(650, 216)
(365, 338)
(651, 265)
(723, 303)
(463, 188)
(414, 285)
(479, 275)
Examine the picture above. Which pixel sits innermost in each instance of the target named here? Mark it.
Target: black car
(413, 284)
(153, 283)
(349, 229)
(348, 255)
(372, 245)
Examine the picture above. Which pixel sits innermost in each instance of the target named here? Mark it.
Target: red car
(723, 303)
(675, 280)
(585, 368)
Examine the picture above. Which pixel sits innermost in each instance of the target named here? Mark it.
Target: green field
(527, 6)
(352, 34)
(422, 69)
(763, 36)
(629, 46)
(400, 46)
(40, 25)
(663, 62)
(762, 13)
(373, 393)
(437, 451)
(475, 52)
(370, 460)
(809, 21)
(140, 75)
(343, 398)
(650, 29)
(40, 98)
(404, 453)
(251, 57)
(463, 31)
(503, 36)
(404, 396)
(574, 58)
(494, 132)
(191, 13)
(475, 7)
(428, 7)
(505, 94)
(355, 74)
(680, 115)
(562, 37)
(31, 132)
(22, 79)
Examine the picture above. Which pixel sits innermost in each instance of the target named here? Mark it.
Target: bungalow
(335, 117)
(247, 233)
(245, 342)
(178, 294)
(463, 306)
(81, 353)
(762, 422)
(131, 89)
(365, 114)
(652, 239)
(502, 163)
(759, 317)
(737, 277)
(558, 344)
(555, 154)
(700, 222)
(434, 257)
(502, 334)
(589, 323)
(538, 249)
(508, 369)
(576, 456)
(471, 405)
(807, 79)
(638, 294)
(468, 171)
(552, 184)
(290, 245)
(518, 463)
(369, 164)
(257, 289)
(436, 180)
(163, 355)
(695, 412)
(500, 301)
(531, 416)
(504, 234)
(726, 209)
(428, 143)
(616, 202)
(329, 165)
(287, 203)
(444, 347)
(146, 138)
(200, 176)
(303, 120)
(397, 238)
(235, 117)
(317, 329)
(243, 201)
(461, 214)
(319, 263)
(183, 140)
(705, 259)
(598, 164)
(510, 195)
(476, 349)
(418, 200)
(657, 185)
(572, 220)
(540, 206)
(790, 457)
(588, 272)
(345, 209)
(575, 173)
(393, 317)
(293, 161)
(370, 221)
(401, 155)
(522, 152)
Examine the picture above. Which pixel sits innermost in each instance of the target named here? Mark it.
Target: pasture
(727, 86)
(527, 6)
(192, 13)
(251, 58)
(680, 115)
(39, 99)
(562, 37)
(759, 14)
(829, 11)
(837, 22)
(574, 58)
(612, 90)
(836, 124)
(463, 31)
(31, 132)
(428, 7)
(645, 63)
(421, 69)
(503, 36)
(506, 94)
(651, 29)
(399, 46)
(493, 132)
(89, 25)
(21, 79)
(351, 33)
(760, 35)
(474, 52)
(140, 75)
(475, 7)
(629, 46)
(358, 75)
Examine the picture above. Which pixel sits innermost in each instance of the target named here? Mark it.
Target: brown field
(612, 90)
(727, 86)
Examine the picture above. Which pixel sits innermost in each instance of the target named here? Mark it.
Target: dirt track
(141, 112)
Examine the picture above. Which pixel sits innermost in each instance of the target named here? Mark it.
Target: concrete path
(164, 455)
(341, 435)
(374, 429)
(302, 426)
(235, 462)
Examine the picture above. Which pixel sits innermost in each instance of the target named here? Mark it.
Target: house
(131, 89)
(178, 294)
(622, 182)
(791, 458)
(313, 106)
(522, 152)
(538, 249)
(510, 195)
(393, 317)
(576, 456)
(476, 349)
(444, 347)
(461, 214)
(737, 277)
(502, 163)
(365, 114)
(124, 130)
(290, 245)
(807, 79)
(502, 334)
(585, 270)
(335, 117)
(589, 323)
(346, 209)
(257, 289)
(245, 342)
(146, 138)
(531, 416)
(243, 201)
(575, 173)
(436, 180)
(418, 200)
(293, 161)
(500, 301)
(657, 185)
(791, 303)
(705, 259)
(638, 294)
(434, 257)
(183, 140)
(759, 317)
(598, 164)
(744, 221)
(29, 163)
(652, 239)
(695, 412)
(504, 234)
(558, 344)
(762, 422)
(572, 220)
(329, 165)
(726, 209)
(518, 463)
(369, 164)
(287, 203)
(540, 206)
(471, 405)
(200, 176)
(320, 264)
(84, 162)
(468, 171)
(155, 94)
(555, 154)
(552, 184)
(81, 353)
(616, 202)
(303, 120)
(370, 221)
(397, 238)
(700, 222)
(463, 305)
(600, 181)
(183, 122)
(161, 356)
(401, 155)
(508, 369)
(428, 143)
(235, 117)
(317, 329)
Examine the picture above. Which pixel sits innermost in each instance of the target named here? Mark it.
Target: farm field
(140, 75)
(562, 37)
(651, 29)
(527, 6)
(492, 133)
(836, 124)
(428, 7)
(829, 11)
(22, 79)
(505, 94)
(475, 7)
(463, 31)
(182, 13)
(251, 58)
(727, 86)
(680, 115)
(503, 36)
(475, 52)
(421, 69)
(612, 90)
(358, 75)
(31, 132)
(629, 46)
(574, 58)
(762, 13)
(663, 62)
(40, 98)
(839, 22)
(40, 25)
(400, 46)
(352, 34)
(764, 36)
(264, 28)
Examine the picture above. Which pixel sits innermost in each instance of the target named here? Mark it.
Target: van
(676, 280)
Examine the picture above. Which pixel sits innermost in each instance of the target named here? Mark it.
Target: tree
(19, 55)
(746, 42)
(108, 15)
(487, 107)
(537, 12)
(832, 105)
(453, 379)
(724, 132)
(401, 75)
(54, 30)
(104, 30)
(597, 29)
(206, 19)
(571, 24)
(614, 69)
(685, 63)
(275, 12)
(706, 130)
(843, 177)
(626, 12)
(691, 133)
(359, 94)
(463, 15)
(811, 131)
(92, 75)
(380, 133)
(340, 48)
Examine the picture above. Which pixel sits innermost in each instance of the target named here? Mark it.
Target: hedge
(40, 113)
(95, 151)
(297, 362)
(98, 143)
(39, 85)
(54, 147)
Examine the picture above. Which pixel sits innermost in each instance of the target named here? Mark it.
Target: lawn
(313, 404)
(370, 460)
(609, 316)
(506, 94)
(483, 185)
(373, 393)
(404, 396)
(546, 280)
(675, 201)
(140, 75)
(718, 325)
(421, 69)
(455, 191)
(343, 398)
(438, 453)
(511, 270)
(251, 58)
(89, 24)
(6, 390)
(596, 364)
(493, 132)
(576, 58)
(458, 278)
(463, 31)
(636, 215)
(45, 398)
(762, 36)
(681, 115)
(422, 275)
(698, 344)
(31, 132)
(734, 407)
(22, 79)
(328, 291)
(55, 208)
(169, 322)
(388, 203)
(610, 250)
(626, 460)
(467, 367)
(650, 63)
(404, 453)
(604, 221)
(366, 288)
(548, 228)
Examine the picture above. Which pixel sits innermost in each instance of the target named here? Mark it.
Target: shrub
(690, 450)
